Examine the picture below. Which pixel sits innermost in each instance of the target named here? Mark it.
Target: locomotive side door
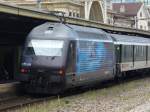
(71, 64)
(71, 58)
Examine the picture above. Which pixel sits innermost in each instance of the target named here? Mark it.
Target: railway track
(10, 99)
(19, 101)
(15, 102)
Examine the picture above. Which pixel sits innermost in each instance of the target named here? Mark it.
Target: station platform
(8, 87)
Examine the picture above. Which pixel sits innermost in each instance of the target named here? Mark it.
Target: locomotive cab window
(45, 47)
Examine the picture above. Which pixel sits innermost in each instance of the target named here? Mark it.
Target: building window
(74, 14)
(122, 8)
(78, 15)
(70, 13)
(141, 27)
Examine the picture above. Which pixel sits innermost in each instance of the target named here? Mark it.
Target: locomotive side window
(71, 57)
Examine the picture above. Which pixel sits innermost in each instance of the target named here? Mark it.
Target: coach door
(118, 54)
(118, 57)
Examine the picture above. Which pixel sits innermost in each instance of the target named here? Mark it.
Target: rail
(19, 101)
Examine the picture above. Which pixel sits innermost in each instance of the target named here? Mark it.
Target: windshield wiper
(53, 57)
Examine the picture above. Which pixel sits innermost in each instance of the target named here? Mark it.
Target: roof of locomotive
(66, 31)
(130, 40)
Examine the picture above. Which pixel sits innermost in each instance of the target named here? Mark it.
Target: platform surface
(8, 87)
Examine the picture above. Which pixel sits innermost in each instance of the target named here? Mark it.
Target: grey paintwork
(130, 40)
(67, 32)
(134, 41)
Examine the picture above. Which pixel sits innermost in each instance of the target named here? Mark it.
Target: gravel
(131, 96)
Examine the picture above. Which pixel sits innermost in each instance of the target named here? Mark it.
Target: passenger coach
(132, 53)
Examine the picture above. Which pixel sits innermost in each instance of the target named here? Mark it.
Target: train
(60, 56)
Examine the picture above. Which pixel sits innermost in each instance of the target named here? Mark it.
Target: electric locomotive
(59, 56)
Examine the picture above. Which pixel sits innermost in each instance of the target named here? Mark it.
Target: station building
(95, 10)
(146, 2)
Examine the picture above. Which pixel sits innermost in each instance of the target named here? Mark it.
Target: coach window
(148, 52)
(143, 53)
(136, 53)
(127, 53)
(140, 53)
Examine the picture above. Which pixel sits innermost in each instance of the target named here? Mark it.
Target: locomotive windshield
(45, 47)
